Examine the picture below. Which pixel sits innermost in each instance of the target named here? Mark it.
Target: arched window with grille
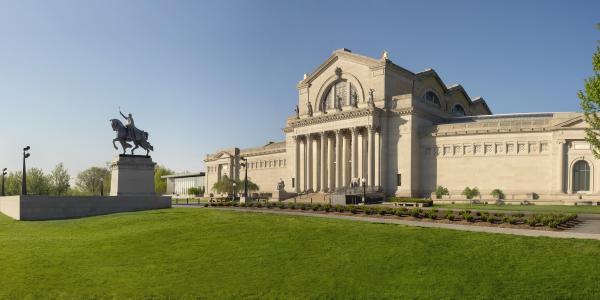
(432, 98)
(581, 176)
(342, 92)
(458, 110)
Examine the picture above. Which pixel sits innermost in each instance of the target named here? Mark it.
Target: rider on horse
(130, 125)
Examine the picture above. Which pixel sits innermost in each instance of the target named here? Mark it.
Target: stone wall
(32, 208)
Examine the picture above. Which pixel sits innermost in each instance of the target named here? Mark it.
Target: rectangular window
(399, 179)
(293, 182)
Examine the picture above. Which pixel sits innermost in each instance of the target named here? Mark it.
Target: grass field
(191, 253)
(533, 208)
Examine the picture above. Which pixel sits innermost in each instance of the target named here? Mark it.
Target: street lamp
(3, 174)
(245, 165)
(364, 184)
(233, 198)
(24, 179)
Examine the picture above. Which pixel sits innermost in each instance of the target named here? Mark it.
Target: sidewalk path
(587, 232)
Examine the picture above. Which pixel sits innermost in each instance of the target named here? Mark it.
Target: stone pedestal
(132, 175)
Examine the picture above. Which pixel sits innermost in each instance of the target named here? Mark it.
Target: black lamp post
(245, 165)
(233, 197)
(364, 184)
(24, 179)
(3, 174)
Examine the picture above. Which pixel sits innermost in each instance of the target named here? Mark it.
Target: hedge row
(550, 220)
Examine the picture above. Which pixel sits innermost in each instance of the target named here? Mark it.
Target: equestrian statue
(129, 133)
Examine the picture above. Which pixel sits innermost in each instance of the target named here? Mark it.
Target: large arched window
(458, 110)
(432, 98)
(581, 176)
(342, 93)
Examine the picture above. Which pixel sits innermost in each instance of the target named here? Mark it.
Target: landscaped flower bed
(520, 220)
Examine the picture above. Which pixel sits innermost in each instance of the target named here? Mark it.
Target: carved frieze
(489, 149)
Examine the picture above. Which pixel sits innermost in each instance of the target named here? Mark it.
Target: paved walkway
(589, 231)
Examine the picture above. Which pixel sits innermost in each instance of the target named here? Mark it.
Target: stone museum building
(361, 119)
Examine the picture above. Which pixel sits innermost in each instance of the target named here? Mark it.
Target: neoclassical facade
(361, 119)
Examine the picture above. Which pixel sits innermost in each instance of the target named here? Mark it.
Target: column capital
(354, 130)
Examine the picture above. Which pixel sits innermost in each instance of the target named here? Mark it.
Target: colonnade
(331, 160)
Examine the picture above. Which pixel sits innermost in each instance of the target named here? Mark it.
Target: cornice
(344, 115)
(263, 152)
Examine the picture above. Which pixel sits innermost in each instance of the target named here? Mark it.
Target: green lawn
(532, 208)
(207, 253)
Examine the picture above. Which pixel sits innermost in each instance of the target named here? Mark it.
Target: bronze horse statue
(123, 137)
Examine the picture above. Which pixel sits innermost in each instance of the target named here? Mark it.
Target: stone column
(377, 153)
(354, 173)
(330, 166)
(309, 162)
(370, 156)
(345, 159)
(297, 164)
(323, 162)
(561, 179)
(338, 158)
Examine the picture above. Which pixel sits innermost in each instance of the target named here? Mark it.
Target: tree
(38, 183)
(160, 185)
(13, 183)
(59, 180)
(194, 191)
(470, 193)
(225, 185)
(88, 181)
(440, 191)
(590, 103)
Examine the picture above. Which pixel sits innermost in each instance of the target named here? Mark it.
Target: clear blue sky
(191, 71)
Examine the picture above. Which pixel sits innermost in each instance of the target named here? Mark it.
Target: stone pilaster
(323, 162)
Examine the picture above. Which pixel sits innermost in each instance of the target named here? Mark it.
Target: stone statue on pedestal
(129, 133)
(280, 185)
(371, 102)
(310, 110)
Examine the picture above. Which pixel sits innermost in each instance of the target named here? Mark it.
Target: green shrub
(416, 212)
(426, 202)
(340, 208)
(206, 204)
(492, 219)
(430, 214)
(484, 218)
(532, 220)
(400, 212)
(292, 206)
(236, 204)
(449, 215)
(497, 193)
(353, 209)
(470, 192)
(469, 217)
(441, 191)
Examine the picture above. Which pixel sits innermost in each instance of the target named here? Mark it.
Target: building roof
(184, 175)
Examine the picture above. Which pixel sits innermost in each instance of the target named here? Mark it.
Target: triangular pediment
(577, 122)
(341, 54)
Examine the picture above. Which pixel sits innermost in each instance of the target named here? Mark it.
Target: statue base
(132, 175)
